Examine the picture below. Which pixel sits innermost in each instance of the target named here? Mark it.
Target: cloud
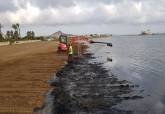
(7, 5)
(24, 15)
(65, 12)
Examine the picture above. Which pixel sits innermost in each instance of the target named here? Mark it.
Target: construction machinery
(62, 43)
(65, 40)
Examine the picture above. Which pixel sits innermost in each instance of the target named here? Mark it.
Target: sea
(141, 61)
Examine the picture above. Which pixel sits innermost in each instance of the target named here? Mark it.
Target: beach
(86, 88)
(24, 72)
(34, 78)
(131, 83)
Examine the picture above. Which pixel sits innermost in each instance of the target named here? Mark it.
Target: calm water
(140, 60)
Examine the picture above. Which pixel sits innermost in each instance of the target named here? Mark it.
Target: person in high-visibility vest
(70, 53)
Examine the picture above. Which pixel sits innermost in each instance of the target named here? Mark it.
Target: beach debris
(87, 88)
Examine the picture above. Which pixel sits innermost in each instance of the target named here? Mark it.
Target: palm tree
(14, 26)
(11, 34)
(29, 35)
(0, 28)
(1, 36)
(8, 34)
(18, 28)
(33, 35)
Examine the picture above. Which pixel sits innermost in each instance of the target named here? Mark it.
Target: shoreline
(84, 87)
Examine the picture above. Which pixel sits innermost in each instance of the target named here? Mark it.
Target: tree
(16, 35)
(10, 37)
(16, 31)
(14, 26)
(0, 28)
(8, 34)
(30, 35)
(11, 34)
(1, 36)
(18, 28)
(33, 34)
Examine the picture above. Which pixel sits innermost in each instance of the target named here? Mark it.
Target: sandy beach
(24, 72)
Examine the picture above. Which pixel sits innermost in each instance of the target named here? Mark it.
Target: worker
(70, 53)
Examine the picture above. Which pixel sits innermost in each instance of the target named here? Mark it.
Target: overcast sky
(84, 16)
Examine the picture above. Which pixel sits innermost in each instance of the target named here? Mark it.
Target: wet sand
(24, 71)
(86, 88)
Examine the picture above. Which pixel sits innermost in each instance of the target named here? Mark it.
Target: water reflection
(141, 60)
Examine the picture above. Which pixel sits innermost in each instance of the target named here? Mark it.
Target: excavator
(64, 40)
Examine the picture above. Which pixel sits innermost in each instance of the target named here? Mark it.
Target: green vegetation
(16, 29)
(1, 36)
(14, 35)
(10, 37)
(30, 35)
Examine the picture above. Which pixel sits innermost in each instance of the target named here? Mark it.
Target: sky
(84, 16)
